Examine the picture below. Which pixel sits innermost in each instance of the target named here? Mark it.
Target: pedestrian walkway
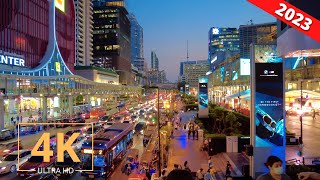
(183, 149)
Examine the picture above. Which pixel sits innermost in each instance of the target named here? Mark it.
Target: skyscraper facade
(137, 54)
(111, 38)
(154, 61)
(192, 72)
(222, 39)
(84, 29)
(256, 33)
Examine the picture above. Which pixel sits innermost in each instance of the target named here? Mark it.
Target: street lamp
(158, 123)
(301, 112)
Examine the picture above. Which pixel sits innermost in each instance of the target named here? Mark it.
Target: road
(311, 133)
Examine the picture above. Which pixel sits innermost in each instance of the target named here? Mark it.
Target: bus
(109, 149)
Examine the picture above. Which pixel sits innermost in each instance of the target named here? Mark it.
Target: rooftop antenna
(187, 50)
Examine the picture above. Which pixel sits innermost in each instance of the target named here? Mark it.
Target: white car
(78, 143)
(9, 163)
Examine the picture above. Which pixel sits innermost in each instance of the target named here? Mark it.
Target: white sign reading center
(10, 60)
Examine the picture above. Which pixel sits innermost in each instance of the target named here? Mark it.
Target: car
(6, 148)
(33, 163)
(46, 176)
(77, 120)
(140, 127)
(96, 129)
(6, 134)
(27, 129)
(69, 133)
(134, 118)
(142, 112)
(127, 121)
(104, 119)
(119, 119)
(78, 143)
(61, 123)
(10, 162)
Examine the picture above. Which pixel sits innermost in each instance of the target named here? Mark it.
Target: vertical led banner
(267, 105)
(181, 90)
(203, 99)
(187, 89)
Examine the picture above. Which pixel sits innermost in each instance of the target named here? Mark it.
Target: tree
(219, 115)
(181, 84)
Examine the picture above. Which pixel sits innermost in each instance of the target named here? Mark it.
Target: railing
(60, 85)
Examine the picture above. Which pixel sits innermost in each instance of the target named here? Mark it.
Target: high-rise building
(37, 37)
(222, 39)
(256, 33)
(162, 77)
(182, 66)
(111, 38)
(192, 72)
(154, 60)
(153, 76)
(84, 29)
(137, 55)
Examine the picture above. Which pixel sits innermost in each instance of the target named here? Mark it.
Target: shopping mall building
(37, 38)
(229, 83)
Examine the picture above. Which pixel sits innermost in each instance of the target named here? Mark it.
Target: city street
(311, 132)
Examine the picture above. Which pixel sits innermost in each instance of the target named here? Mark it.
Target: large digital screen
(244, 67)
(187, 89)
(269, 91)
(203, 95)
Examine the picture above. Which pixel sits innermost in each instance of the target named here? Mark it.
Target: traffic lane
(311, 133)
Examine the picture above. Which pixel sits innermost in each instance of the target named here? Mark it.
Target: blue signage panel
(269, 104)
(187, 89)
(203, 95)
(267, 114)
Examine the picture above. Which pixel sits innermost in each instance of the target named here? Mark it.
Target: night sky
(168, 24)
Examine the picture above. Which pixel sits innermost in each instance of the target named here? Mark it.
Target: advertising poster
(187, 89)
(203, 93)
(268, 97)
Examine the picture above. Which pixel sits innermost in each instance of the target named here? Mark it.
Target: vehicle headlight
(32, 169)
(7, 150)
(3, 168)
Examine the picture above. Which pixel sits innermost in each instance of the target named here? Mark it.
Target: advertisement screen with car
(268, 97)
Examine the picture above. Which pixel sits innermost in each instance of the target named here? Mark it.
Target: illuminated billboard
(187, 89)
(268, 96)
(203, 98)
(60, 4)
(244, 67)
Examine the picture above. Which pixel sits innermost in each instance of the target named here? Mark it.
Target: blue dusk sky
(168, 24)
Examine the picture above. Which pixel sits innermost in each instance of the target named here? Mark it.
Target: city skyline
(171, 44)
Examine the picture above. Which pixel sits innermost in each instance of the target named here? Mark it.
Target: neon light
(297, 62)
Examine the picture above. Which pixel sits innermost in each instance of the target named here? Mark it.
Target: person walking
(210, 163)
(196, 131)
(228, 169)
(186, 166)
(200, 174)
(11, 120)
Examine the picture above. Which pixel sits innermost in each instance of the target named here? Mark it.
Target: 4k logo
(62, 146)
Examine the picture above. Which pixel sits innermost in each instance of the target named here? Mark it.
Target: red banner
(292, 16)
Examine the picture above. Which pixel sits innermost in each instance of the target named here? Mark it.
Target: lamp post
(158, 124)
(301, 112)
